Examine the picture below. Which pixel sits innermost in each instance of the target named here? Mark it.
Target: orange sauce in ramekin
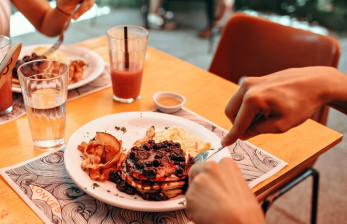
(168, 101)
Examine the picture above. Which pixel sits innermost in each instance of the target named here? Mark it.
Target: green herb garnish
(123, 129)
(95, 185)
(182, 203)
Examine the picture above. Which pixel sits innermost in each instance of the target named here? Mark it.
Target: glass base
(121, 100)
(8, 110)
(49, 145)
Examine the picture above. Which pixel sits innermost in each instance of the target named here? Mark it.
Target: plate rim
(94, 74)
(176, 203)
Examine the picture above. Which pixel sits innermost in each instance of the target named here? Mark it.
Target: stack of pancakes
(158, 171)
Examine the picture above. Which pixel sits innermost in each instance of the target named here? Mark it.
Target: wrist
(336, 83)
(338, 94)
(61, 11)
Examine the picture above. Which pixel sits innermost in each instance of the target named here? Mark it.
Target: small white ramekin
(168, 109)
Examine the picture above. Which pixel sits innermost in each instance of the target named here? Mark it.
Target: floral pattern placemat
(45, 186)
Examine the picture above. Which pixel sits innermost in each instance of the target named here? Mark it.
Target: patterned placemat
(45, 186)
(102, 82)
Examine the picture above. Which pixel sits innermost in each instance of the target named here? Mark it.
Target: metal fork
(202, 156)
(60, 40)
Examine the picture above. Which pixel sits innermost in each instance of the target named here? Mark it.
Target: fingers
(198, 168)
(211, 166)
(229, 163)
(243, 120)
(234, 104)
(85, 6)
(233, 174)
(241, 111)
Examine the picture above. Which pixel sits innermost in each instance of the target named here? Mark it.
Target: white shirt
(5, 14)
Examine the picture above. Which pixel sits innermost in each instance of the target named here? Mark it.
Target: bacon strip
(101, 156)
(149, 136)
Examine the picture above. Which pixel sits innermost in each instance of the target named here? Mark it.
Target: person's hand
(68, 6)
(218, 193)
(286, 99)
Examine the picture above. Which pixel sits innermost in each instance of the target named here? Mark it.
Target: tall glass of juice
(44, 85)
(6, 87)
(127, 49)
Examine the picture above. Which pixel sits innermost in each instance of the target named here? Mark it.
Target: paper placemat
(102, 82)
(45, 186)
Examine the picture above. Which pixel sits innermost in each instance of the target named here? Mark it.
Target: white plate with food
(130, 127)
(88, 65)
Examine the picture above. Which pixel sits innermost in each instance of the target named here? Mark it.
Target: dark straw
(126, 47)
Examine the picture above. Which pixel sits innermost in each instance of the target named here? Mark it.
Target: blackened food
(156, 196)
(26, 58)
(145, 161)
(155, 171)
(122, 186)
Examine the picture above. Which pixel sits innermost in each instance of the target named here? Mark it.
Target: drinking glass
(127, 49)
(6, 88)
(44, 85)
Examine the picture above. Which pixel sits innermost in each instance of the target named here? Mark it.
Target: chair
(254, 46)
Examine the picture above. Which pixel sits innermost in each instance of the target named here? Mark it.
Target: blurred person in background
(159, 18)
(217, 192)
(49, 21)
(222, 11)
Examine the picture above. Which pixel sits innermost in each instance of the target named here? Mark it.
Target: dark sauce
(121, 185)
(150, 164)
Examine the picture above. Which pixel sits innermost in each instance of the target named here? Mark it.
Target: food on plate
(189, 143)
(156, 171)
(56, 55)
(156, 167)
(76, 67)
(76, 71)
(149, 136)
(101, 155)
(26, 58)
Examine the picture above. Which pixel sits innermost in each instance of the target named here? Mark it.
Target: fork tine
(60, 40)
(202, 156)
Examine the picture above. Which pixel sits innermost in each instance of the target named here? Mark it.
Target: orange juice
(126, 84)
(6, 96)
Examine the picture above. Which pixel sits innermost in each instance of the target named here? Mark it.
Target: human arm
(47, 20)
(286, 98)
(218, 193)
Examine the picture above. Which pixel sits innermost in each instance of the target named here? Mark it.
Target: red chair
(254, 46)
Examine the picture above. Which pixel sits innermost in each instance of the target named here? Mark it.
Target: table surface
(206, 94)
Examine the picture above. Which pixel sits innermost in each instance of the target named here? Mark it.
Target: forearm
(286, 98)
(45, 19)
(53, 22)
(337, 94)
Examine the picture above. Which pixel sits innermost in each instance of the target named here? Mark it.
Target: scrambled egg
(57, 55)
(189, 143)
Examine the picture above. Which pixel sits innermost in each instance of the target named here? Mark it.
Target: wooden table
(206, 94)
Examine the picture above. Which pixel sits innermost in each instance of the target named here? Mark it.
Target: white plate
(136, 124)
(94, 68)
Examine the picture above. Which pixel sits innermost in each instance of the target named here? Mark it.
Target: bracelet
(62, 11)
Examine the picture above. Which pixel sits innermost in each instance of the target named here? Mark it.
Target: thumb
(84, 6)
